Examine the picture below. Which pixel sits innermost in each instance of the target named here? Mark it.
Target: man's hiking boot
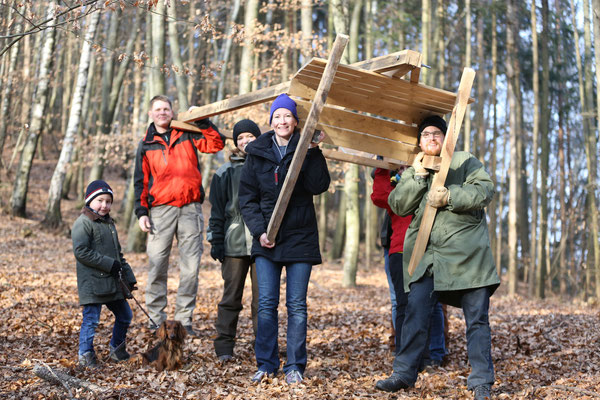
(482, 392)
(119, 353)
(391, 384)
(88, 359)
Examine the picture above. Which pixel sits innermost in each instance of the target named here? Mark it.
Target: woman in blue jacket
(297, 243)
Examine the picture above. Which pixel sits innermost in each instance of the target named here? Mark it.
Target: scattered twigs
(46, 372)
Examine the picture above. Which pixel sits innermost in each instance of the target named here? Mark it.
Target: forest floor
(541, 349)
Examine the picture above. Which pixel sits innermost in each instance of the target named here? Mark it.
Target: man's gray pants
(187, 224)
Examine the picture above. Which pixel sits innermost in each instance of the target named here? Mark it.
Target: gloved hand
(217, 251)
(116, 268)
(133, 286)
(418, 165)
(438, 197)
(203, 123)
(127, 293)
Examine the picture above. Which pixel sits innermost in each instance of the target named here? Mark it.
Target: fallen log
(61, 378)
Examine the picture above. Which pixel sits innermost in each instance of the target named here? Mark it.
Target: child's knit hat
(283, 101)
(95, 189)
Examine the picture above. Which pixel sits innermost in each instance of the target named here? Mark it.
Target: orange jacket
(170, 174)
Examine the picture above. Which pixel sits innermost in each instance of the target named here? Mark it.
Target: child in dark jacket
(101, 271)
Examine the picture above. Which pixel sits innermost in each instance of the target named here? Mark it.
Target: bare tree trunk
(158, 49)
(53, 217)
(323, 200)
(354, 36)
(250, 16)
(19, 194)
(7, 92)
(591, 146)
(226, 49)
(594, 216)
(438, 40)
(368, 21)
(352, 227)
(339, 234)
(425, 39)
(306, 27)
(180, 77)
(481, 86)
(468, 62)
(514, 165)
(535, 134)
(493, 207)
(541, 272)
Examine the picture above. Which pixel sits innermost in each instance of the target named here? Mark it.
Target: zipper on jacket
(164, 157)
(276, 176)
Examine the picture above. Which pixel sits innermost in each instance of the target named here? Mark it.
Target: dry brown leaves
(545, 350)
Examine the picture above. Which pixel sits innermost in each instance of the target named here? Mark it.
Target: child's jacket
(96, 246)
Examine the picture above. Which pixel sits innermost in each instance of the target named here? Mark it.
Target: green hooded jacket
(458, 253)
(96, 246)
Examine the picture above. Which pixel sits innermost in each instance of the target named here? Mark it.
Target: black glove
(203, 123)
(133, 286)
(217, 252)
(116, 268)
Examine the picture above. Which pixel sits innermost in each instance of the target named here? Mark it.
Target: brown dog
(168, 353)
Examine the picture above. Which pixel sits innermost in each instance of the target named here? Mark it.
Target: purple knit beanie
(283, 101)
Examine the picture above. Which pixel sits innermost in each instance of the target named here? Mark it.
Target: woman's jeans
(91, 317)
(266, 347)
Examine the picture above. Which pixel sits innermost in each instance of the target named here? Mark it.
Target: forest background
(76, 77)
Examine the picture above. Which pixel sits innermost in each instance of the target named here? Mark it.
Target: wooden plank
(429, 162)
(371, 144)
(347, 119)
(391, 62)
(370, 104)
(234, 103)
(462, 99)
(354, 159)
(306, 136)
(184, 126)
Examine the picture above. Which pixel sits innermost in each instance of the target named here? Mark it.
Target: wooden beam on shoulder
(306, 136)
(458, 114)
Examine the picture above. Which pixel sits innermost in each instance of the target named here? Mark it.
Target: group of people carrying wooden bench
(456, 269)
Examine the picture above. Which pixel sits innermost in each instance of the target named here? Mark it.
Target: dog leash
(128, 294)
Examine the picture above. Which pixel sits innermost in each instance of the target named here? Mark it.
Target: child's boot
(88, 359)
(119, 353)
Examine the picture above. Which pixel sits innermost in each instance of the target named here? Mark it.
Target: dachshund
(168, 353)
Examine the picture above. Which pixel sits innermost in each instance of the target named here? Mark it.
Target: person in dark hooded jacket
(297, 243)
(230, 241)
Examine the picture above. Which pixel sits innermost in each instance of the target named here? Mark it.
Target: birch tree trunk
(19, 195)
(7, 93)
(250, 16)
(513, 169)
(53, 217)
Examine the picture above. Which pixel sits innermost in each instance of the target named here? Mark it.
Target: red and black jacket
(170, 173)
(382, 187)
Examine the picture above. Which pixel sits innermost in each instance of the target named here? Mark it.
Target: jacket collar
(262, 146)
(152, 135)
(93, 215)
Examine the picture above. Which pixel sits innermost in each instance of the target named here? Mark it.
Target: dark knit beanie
(95, 189)
(245, 125)
(432, 120)
(283, 101)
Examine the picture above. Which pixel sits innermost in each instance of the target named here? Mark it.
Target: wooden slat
(429, 162)
(306, 136)
(462, 100)
(234, 103)
(184, 126)
(373, 104)
(354, 159)
(347, 119)
(390, 62)
(370, 144)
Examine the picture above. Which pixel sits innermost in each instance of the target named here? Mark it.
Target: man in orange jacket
(168, 198)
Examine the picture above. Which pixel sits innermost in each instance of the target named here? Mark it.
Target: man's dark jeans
(234, 271)
(421, 300)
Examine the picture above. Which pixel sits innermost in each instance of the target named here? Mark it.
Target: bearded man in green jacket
(457, 267)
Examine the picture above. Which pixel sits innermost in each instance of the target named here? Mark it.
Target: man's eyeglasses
(432, 135)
